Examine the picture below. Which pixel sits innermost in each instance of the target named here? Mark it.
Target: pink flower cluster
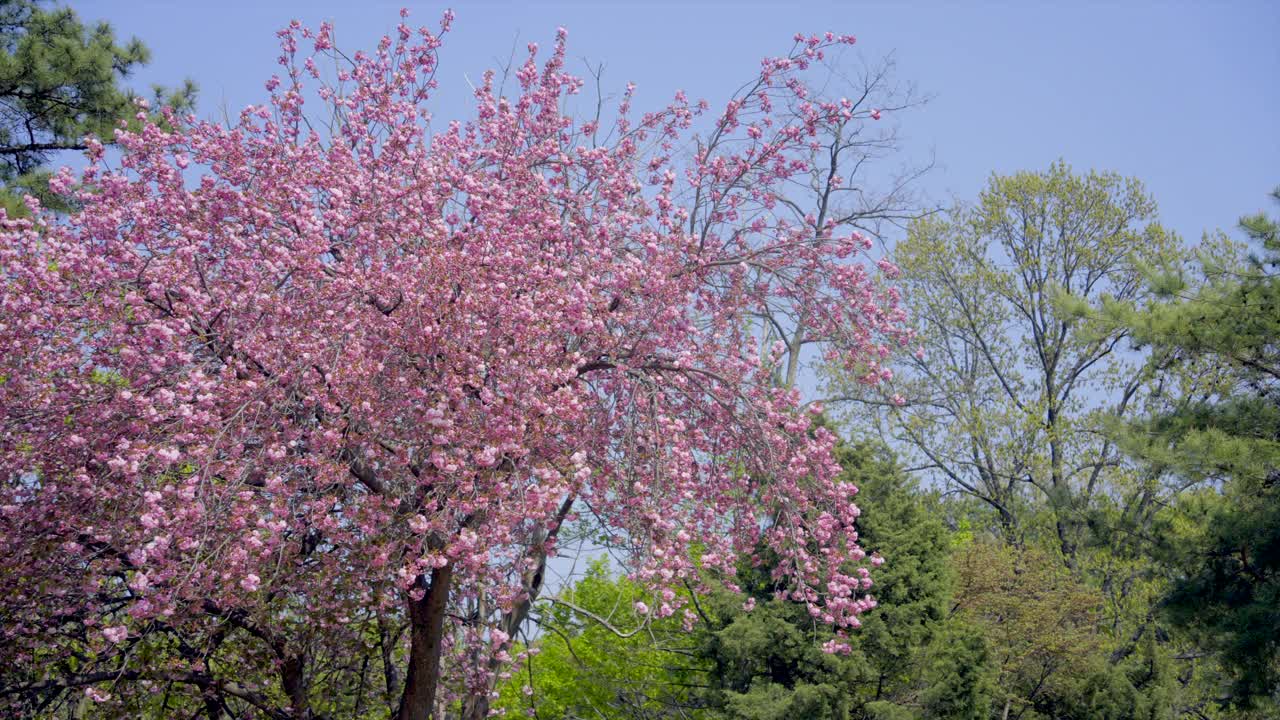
(293, 373)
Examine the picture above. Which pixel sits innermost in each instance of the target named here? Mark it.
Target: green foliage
(1142, 686)
(1227, 587)
(1039, 620)
(1105, 404)
(1005, 398)
(1220, 545)
(885, 710)
(912, 587)
(960, 680)
(768, 664)
(583, 668)
(763, 663)
(60, 81)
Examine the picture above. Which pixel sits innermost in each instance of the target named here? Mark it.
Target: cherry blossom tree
(295, 410)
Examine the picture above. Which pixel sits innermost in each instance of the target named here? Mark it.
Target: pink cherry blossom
(837, 647)
(385, 365)
(96, 695)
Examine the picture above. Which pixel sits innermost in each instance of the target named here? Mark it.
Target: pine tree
(1221, 542)
(769, 661)
(60, 80)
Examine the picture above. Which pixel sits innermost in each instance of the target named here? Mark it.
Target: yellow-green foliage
(584, 669)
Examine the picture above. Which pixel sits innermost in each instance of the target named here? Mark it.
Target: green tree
(60, 80)
(1008, 400)
(596, 657)
(1039, 622)
(960, 680)
(1005, 398)
(913, 587)
(1221, 436)
(769, 663)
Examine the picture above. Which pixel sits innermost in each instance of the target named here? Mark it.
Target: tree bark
(294, 681)
(426, 636)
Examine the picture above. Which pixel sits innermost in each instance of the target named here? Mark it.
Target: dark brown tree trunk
(387, 637)
(295, 686)
(426, 636)
(212, 708)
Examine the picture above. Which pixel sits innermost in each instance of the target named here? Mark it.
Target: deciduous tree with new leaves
(293, 414)
(1006, 395)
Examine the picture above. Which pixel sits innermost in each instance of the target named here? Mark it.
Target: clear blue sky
(1184, 96)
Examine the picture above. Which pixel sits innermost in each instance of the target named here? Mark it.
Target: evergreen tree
(769, 662)
(1222, 434)
(959, 682)
(913, 586)
(60, 80)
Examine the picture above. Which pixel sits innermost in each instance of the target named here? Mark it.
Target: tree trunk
(476, 707)
(793, 354)
(295, 686)
(1062, 501)
(387, 637)
(426, 636)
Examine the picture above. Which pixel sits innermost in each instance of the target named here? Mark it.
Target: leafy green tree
(60, 81)
(1005, 397)
(769, 661)
(597, 658)
(1039, 622)
(1221, 436)
(1010, 396)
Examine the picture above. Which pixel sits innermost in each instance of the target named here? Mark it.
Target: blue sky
(1184, 96)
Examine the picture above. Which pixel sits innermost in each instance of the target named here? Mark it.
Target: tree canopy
(1221, 436)
(293, 422)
